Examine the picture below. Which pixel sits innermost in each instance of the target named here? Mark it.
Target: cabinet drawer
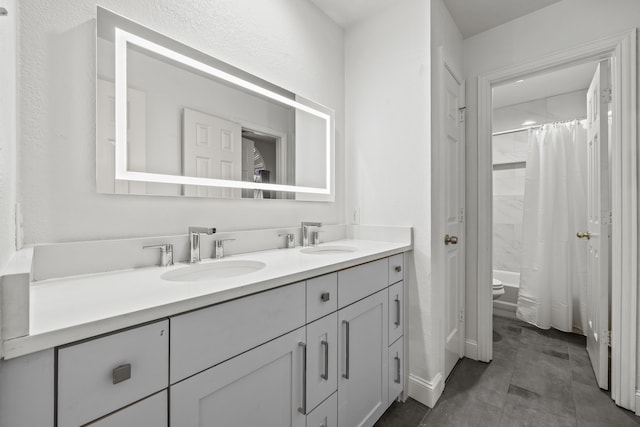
(99, 376)
(322, 296)
(151, 412)
(325, 415)
(396, 311)
(396, 369)
(322, 359)
(358, 282)
(396, 268)
(206, 337)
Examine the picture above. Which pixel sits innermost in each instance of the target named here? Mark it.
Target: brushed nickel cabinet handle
(345, 375)
(397, 301)
(325, 375)
(397, 380)
(303, 409)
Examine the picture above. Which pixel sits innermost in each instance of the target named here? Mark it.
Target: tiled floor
(537, 378)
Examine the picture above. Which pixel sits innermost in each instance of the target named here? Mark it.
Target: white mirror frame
(122, 38)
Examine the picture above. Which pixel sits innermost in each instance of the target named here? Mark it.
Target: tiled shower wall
(509, 177)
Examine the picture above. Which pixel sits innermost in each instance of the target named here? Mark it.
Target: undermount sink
(213, 270)
(328, 249)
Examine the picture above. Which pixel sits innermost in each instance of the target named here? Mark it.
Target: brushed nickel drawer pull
(121, 373)
(325, 375)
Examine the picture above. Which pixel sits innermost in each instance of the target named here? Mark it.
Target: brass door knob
(450, 239)
(582, 235)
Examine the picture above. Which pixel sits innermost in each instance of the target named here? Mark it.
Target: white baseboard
(471, 349)
(499, 311)
(426, 392)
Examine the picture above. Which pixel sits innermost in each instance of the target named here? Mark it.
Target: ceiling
(348, 12)
(471, 16)
(557, 82)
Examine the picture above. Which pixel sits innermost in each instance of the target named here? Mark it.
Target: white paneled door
(453, 155)
(211, 148)
(599, 223)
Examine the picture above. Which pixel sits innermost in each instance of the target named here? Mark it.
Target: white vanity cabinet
(324, 352)
(262, 387)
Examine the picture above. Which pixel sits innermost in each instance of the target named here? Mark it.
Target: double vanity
(302, 336)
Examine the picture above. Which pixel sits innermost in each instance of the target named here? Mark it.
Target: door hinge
(461, 316)
(606, 337)
(607, 217)
(606, 96)
(462, 114)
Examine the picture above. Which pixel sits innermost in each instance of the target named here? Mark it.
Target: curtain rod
(506, 132)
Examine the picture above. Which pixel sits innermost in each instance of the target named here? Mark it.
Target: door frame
(438, 223)
(624, 254)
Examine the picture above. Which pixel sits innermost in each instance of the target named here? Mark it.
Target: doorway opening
(545, 179)
(620, 50)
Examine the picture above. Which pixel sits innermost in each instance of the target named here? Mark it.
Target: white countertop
(68, 309)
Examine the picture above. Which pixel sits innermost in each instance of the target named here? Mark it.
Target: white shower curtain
(553, 278)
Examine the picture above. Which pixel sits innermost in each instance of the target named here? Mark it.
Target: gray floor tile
(518, 413)
(547, 376)
(595, 408)
(540, 340)
(581, 369)
(537, 378)
(460, 413)
(409, 413)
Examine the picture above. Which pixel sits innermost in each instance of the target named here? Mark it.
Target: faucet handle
(219, 247)
(315, 237)
(166, 253)
(291, 243)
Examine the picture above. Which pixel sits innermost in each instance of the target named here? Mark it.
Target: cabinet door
(396, 314)
(362, 358)
(322, 359)
(150, 412)
(262, 387)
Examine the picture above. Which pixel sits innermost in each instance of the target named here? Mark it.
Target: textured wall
(288, 42)
(8, 150)
(388, 147)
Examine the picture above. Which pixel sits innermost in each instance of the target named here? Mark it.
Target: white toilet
(498, 288)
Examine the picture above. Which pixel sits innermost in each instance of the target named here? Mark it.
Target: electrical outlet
(355, 216)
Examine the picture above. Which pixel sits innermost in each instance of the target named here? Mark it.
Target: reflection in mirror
(173, 121)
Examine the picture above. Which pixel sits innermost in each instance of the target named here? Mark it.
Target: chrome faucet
(305, 231)
(194, 241)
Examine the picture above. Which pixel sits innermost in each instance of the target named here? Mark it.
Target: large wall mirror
(171, 120)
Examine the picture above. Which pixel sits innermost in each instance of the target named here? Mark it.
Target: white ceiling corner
(476, 16)
(348, 12)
